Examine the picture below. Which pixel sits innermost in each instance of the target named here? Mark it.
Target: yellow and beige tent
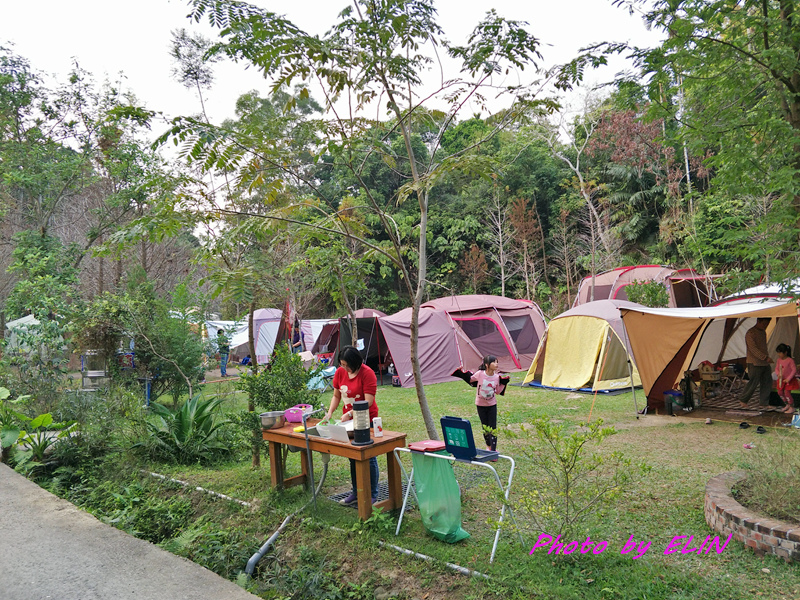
(667, 342)
(586, 348)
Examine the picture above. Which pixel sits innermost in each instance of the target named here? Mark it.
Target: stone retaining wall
(762, 534)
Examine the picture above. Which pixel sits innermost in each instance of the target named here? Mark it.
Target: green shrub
(280, 385)
(648, 293)
(772, 486)
(133, 509)
(188, 434)
(224, 551)
(568, 484)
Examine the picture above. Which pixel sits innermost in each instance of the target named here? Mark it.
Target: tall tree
(373, 57)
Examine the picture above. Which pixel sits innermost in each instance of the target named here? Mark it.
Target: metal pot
(274, 419)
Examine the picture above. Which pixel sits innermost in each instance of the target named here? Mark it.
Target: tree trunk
(427, 418)
(251, 406)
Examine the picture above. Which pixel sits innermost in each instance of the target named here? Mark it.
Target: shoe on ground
(351, 499)
(374, 499)
(761, 429)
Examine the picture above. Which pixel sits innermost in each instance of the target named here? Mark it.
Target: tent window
(601, 292)
(523, 333)
(485, 335)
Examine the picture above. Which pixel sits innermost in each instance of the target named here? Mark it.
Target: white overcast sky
(107, 37)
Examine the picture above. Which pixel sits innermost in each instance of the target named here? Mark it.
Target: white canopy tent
(267, 323)
(16, 326)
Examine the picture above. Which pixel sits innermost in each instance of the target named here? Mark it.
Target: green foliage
(189, 434)
(108, 421)
(772, 485)
(40, 434)
(312, 579)
(223, 551)
(35, 436)
(134, 509)
(281, 385)
(11, 422)
(648, 293)
(165, 333)
(379, 522)
(568, 486)
(47, 276)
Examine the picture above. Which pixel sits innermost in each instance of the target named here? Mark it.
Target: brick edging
(762, 534)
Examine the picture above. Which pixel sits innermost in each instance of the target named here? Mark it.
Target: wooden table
(361, 454)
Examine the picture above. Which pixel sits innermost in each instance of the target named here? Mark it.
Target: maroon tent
(456, 332)
(503, 327)
(443, 347)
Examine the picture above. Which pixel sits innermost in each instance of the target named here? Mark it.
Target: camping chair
(327, 377)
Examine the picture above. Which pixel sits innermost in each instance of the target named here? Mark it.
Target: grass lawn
(683, 455)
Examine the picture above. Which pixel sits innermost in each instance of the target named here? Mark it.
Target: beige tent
(586, 347)
(667, 342)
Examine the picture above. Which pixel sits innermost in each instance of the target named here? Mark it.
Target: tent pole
(630, 369)
(633, 390)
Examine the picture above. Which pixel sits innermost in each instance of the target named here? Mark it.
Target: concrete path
(49, 549)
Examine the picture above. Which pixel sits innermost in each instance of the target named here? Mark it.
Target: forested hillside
(691, 159)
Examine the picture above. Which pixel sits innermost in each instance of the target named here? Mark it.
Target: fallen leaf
(590, 581)
(765, 570)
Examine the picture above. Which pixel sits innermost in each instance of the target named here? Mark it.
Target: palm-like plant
(189, 433)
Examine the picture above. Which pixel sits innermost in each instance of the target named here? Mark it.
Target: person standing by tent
(786, 371)
(489, 385)
(224, 346)
(353, 381)
(298, 338)
(758, 362)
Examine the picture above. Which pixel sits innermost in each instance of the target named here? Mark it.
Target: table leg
(395, 481)
(275, 465)
(363, 489)
(306, 467)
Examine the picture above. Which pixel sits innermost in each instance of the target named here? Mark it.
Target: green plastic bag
(439, 497)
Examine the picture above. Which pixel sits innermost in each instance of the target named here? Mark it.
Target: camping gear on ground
(438, 497)
(460, 443)
(673, 401)
(708, 372)
(295, 413)
(323, 380)
(269, 328)
(361, 423)
(396, 381)
(274, 419)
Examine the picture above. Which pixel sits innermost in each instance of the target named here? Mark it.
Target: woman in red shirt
(354, 381)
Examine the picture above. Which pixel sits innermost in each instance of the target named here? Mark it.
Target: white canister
(377, 427)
